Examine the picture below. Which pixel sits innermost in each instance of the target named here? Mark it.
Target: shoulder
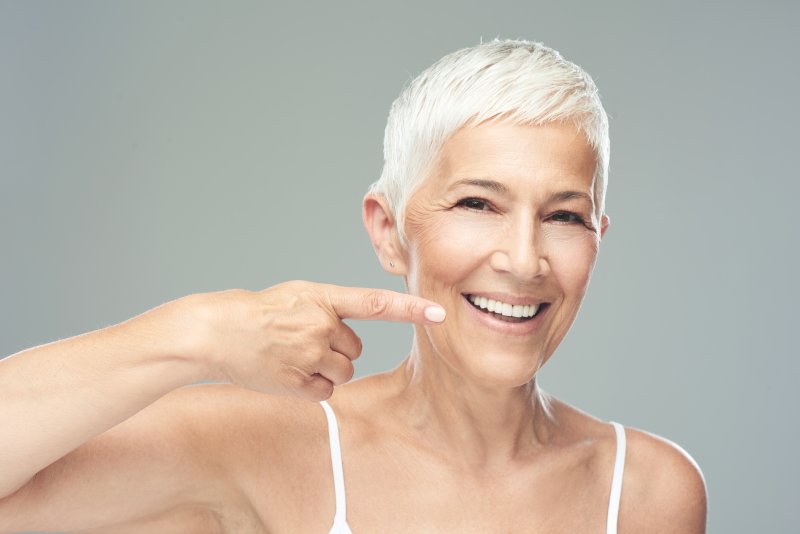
(663, 488)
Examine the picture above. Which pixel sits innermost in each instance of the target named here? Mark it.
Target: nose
(521, 251)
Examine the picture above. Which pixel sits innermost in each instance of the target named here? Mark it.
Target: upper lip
(506, 297)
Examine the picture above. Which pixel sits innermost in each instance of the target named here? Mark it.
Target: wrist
(194, 338)
(170, 333)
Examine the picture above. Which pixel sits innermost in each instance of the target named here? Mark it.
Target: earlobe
(604, 220)
(381, 228)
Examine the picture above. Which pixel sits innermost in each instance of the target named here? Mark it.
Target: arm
(158, 467)
(104, 434)
(85, 442)
(59, 395)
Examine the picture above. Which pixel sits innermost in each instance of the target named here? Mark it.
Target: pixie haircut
(511, 81)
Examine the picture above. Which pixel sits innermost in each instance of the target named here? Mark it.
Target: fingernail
(435, 314)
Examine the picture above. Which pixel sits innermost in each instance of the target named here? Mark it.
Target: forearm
(57, 396)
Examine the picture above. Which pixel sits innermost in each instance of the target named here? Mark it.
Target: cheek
(444, 247)
(572, 260)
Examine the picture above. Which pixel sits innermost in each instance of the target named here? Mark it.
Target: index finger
(383, 304)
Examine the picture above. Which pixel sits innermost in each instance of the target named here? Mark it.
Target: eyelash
(463, 202)
(575, 217)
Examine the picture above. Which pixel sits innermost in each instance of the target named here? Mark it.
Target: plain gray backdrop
(149, 150)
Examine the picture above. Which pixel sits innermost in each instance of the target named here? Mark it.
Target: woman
(491, 205)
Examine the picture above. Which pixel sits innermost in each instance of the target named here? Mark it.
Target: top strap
(336, 462)
(616, 480)
(338, 472)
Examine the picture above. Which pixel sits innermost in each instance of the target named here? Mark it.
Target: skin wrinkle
(474, 389)
(501, 189)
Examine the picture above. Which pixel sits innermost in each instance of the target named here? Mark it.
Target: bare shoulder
(663, 487)
(191, 461)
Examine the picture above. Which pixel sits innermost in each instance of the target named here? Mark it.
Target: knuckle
(411, 308)
(311, 380)
(350, 371)
(292, 288)
(296, 378)
(319, 356)
(377, 303)
(293, 284)
(330, 325)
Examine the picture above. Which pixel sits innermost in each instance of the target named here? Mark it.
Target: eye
(571, 218)
(472, 203)
(567, 217)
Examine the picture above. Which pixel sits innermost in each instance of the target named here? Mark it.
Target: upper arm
(146, 466)
(666, 488)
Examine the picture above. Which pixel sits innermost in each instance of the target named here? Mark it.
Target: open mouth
(506, 312)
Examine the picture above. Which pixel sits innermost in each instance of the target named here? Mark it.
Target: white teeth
(504, 308)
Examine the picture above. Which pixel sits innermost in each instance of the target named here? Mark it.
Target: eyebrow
(497, 187)
(569, 195)
(492, 185)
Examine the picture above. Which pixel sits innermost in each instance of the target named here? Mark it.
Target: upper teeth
(509, 310)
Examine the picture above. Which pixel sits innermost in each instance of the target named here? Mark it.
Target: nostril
(524, 266)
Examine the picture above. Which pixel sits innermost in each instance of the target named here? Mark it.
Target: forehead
(552, 152)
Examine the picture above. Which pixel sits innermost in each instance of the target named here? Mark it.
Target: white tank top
(340, 525)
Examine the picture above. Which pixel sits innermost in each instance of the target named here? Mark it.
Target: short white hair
(516, 81)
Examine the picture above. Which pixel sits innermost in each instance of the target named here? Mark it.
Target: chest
(390, 487)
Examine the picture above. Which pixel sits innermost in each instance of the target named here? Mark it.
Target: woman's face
(508, 215)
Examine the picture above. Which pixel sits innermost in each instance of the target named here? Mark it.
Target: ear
(604, 220)
(382, 229)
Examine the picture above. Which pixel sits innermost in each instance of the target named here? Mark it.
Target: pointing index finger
(384, 305)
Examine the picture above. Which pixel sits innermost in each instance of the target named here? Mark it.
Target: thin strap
(616, 481)
(336, 461)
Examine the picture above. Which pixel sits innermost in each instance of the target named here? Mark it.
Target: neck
(486, 426)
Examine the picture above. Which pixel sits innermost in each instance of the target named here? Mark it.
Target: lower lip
(498, 325)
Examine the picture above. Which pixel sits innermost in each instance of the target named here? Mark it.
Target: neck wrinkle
(491, 429)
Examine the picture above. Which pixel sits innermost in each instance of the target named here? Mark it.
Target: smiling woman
(491, 208)
(527, 237)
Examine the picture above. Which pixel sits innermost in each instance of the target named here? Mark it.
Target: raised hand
(290, 339)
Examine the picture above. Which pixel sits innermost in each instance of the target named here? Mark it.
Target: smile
(512, 313)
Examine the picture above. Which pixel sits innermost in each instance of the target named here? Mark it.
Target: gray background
(150, 150)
